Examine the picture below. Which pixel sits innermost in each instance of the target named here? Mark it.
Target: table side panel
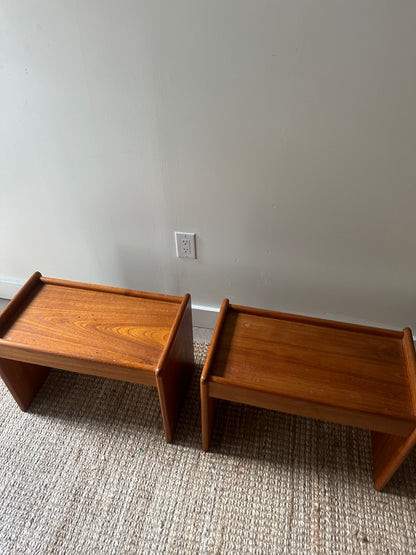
(389, 451)
(22, 379)
(410, 357)
(175, 368)
(209, 404)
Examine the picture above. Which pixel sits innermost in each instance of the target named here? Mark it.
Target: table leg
(389, 451)
(208, 410)
(174, 373)
(22, 379)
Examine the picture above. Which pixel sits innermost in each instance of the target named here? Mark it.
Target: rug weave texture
(87, 470)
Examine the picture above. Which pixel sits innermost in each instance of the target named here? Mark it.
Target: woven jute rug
(87, 470)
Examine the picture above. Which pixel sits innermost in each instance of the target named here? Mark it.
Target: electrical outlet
(185, 245)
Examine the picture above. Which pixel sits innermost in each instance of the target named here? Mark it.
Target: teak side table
(121, 334)
(343, 373)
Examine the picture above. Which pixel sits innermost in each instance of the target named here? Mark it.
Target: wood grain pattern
(104, 331)
(355, 375)
(320, 365)
(103, 327)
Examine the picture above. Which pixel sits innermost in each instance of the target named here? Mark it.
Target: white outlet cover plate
(185, 245)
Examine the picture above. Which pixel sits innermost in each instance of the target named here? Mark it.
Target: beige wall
(282, 132)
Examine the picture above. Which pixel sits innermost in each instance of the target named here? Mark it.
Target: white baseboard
(204, 316)
(9, 287)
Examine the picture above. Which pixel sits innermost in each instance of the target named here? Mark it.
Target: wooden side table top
(122, 334)
(344, 373)
(82, 327)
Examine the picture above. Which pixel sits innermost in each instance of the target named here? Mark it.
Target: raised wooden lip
(12, 311)
(226, 308)
(206, 372)
(111, 290)
(311, 320)
(404, 336)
